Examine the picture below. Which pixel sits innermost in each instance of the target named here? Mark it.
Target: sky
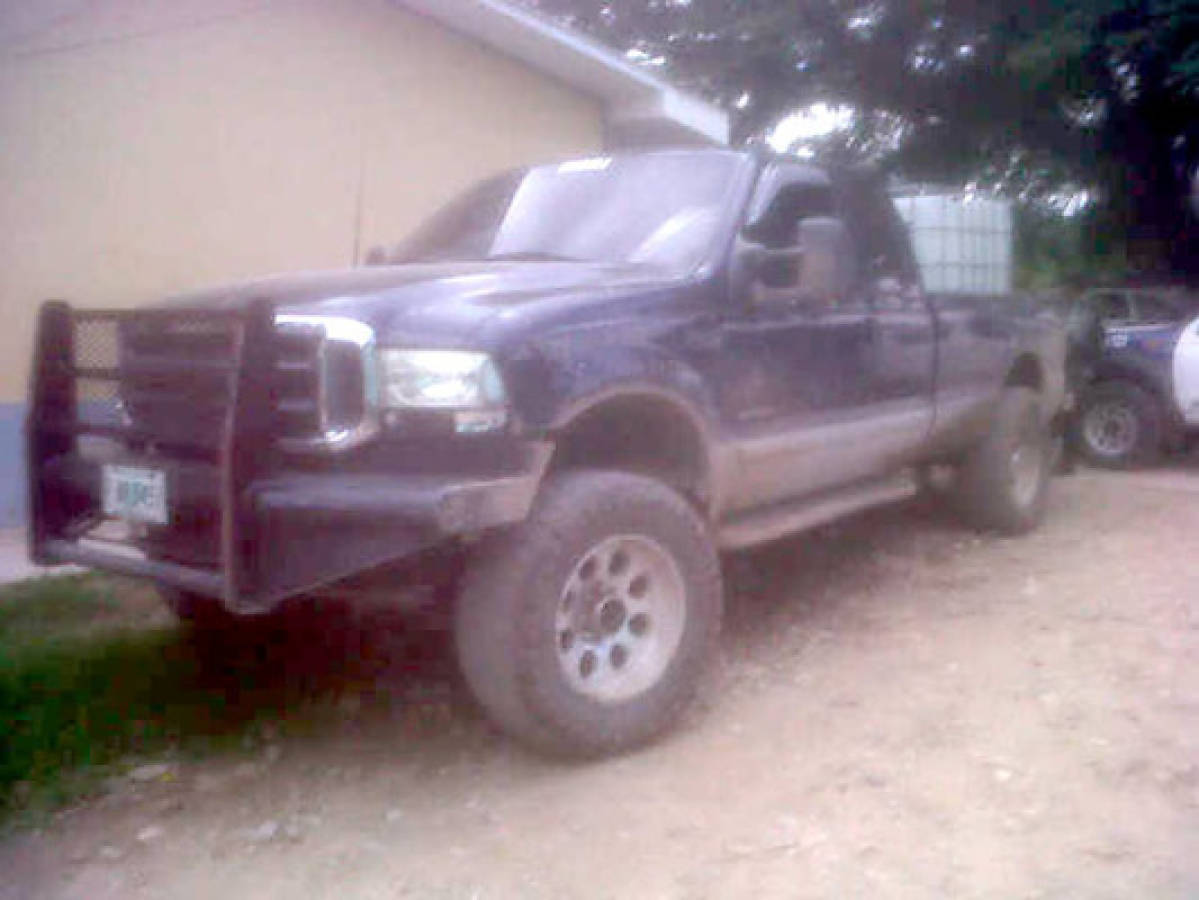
(814, 121)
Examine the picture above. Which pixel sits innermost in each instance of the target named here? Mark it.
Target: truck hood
(449, 302)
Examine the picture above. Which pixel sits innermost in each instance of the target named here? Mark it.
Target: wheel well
(1026, 372)
(646, 435)
(1110, 374)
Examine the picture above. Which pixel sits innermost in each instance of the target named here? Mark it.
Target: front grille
(164, 382)
(158, 381)
(298, 374)
(323, 389)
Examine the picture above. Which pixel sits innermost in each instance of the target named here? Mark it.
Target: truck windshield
(660, 209)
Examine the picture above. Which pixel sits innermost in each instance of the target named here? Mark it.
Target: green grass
(93, 674)
(96, 676)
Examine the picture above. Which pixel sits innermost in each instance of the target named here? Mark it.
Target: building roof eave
(641, 107)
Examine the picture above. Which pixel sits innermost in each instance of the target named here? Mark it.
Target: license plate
(134, 494)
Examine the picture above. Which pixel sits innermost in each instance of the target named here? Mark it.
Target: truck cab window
(1155, 310)
(876, 229)
(778, 229)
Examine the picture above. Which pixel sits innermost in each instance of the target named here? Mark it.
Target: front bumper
(247, 523)
(305, 530)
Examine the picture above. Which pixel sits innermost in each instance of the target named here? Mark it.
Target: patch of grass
(95, 674)
(91, 672)
(38, 607)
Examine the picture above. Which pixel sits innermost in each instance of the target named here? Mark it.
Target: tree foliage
(1034, 97)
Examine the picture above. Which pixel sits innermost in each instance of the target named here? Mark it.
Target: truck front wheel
(585, 629)
(1003, 483)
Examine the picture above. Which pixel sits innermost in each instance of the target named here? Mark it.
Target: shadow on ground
(335, 649)
(76, 705)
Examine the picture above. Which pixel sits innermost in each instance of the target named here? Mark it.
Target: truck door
(800, 368)
(902, 391)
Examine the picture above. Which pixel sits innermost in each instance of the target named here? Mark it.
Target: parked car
(1135, 369)
(585, 380)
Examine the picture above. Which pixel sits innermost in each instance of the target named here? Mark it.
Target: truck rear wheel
(1003, 483)
(585, 629)
(1118, 425)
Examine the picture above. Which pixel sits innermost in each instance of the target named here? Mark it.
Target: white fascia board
(628, 93)
(672, 112)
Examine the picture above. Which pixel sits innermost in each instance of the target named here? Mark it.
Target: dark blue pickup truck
(580, 381)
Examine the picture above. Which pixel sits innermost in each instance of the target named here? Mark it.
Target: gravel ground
(900, 709)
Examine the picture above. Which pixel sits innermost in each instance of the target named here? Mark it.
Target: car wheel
(585, 629)
(1003, 483)
(1118, 425)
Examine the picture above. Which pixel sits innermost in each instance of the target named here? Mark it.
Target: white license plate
(134, 494)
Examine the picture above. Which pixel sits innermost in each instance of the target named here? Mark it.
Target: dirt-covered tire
(585, 630)
(1003, 482)
(1118, 425)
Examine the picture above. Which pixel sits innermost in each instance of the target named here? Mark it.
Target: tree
(1035, 98)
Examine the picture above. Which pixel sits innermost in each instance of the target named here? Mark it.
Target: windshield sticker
(596, 164)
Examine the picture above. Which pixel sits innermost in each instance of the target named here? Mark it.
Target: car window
(779, 228)
(662, 209)
(1156, 310)
(1112, 306)
(877, 230)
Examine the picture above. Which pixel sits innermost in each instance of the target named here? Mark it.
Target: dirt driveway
(901, 710)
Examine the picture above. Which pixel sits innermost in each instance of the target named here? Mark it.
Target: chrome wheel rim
(1110, 429)
(620, 618)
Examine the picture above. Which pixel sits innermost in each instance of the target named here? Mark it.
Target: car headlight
(440, 379)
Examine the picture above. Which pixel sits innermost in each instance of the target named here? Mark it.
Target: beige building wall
(150, 147)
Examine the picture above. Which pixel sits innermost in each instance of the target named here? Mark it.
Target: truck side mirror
(769, 249)
(773, 268)
(826, 274)
(817, 269)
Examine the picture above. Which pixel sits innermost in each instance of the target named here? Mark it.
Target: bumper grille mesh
(155, 379)
(167, 380)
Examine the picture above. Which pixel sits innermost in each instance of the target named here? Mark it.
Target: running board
(782, 519)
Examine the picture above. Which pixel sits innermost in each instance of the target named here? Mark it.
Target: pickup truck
(580, 382)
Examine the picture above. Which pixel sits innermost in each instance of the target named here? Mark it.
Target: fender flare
(715, 459)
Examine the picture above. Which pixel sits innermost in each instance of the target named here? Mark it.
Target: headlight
(440, 379)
